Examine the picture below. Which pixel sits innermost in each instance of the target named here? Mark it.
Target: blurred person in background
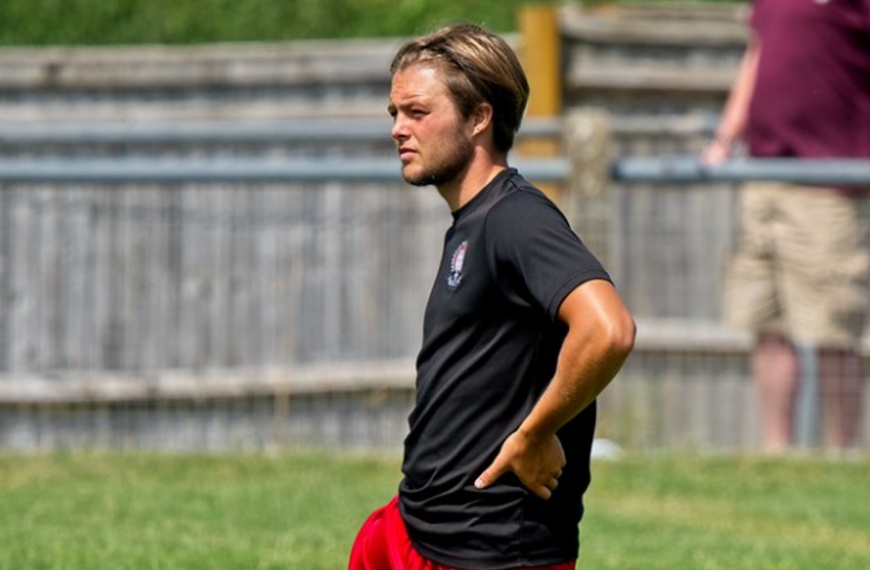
(800, 273)
(523, 329)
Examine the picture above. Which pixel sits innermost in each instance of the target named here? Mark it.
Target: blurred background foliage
(113, 22)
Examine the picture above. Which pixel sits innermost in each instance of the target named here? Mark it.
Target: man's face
(433, 141)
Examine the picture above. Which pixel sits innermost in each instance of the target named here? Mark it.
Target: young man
(522, 331)
(801, 271)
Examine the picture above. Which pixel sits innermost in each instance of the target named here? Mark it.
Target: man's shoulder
(515, 192)
(518, 199)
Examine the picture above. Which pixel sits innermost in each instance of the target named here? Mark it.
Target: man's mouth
(406, 154)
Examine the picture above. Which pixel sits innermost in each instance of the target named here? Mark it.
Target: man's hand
(537, 463)
(717, 151)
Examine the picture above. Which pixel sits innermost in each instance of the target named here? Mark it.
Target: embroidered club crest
(456, 262)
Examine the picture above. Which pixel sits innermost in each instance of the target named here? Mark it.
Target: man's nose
(398, 130)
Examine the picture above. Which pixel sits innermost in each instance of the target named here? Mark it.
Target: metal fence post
(807, 405)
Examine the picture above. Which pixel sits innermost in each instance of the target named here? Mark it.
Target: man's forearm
(600, 337)
(586, 367)
(732, 125)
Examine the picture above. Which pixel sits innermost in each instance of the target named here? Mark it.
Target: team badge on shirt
(456, 262)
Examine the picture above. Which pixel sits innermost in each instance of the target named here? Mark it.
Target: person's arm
(600, 336)
(732, 125)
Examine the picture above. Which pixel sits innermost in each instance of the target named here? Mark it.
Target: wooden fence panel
(151, 278)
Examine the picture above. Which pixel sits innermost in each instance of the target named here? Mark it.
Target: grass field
(88, 22)
(300, 511)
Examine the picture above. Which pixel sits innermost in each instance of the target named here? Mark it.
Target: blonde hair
(478, 67)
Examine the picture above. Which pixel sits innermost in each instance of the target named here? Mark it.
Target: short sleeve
(535, 254)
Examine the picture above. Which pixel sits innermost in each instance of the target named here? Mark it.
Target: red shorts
(383, 544)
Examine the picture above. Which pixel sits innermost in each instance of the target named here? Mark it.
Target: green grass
(119, 512)
(102, 22)
(300, 511)
(734, 514)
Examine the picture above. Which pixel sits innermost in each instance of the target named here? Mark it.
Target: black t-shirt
(490, 343)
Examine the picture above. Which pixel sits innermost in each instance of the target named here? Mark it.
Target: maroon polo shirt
(812, 91)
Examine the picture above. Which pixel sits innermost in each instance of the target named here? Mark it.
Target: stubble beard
(447, 168)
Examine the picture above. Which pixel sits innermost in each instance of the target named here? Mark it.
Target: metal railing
(681, 169)
(658, 170)
(229, 170)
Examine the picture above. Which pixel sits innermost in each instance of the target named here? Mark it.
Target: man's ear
(481, 118)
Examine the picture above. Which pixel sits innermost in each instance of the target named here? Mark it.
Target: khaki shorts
(801, 267)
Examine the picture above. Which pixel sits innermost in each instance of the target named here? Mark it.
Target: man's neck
(461, 191)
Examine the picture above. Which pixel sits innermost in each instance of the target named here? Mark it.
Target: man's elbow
(621, 333)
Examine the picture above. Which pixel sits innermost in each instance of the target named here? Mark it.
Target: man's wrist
(535, 435)
(723, 140)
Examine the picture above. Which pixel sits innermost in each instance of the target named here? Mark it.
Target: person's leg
(775, 372)
(841, 373)
(752, 303)
(826, 272)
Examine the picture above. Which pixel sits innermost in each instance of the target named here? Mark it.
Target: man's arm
(600, 336)
(732, 125)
